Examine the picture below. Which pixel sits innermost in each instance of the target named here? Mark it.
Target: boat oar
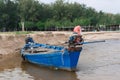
(91, 42)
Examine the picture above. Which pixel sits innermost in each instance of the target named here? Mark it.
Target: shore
(11, 44)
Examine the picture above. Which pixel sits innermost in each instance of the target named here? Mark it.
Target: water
(100, 61)
(97, 61)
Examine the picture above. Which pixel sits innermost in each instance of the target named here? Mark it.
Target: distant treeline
(35, 15)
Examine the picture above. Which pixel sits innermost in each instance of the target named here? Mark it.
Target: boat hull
(60, 59)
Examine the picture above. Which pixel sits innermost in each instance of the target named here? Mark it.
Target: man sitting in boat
(29, 39)
(76, 37)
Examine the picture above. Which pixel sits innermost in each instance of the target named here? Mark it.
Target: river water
(97, 61)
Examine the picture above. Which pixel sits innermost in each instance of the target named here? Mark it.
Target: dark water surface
(97, 61)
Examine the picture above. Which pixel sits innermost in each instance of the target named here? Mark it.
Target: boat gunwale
(42, 53)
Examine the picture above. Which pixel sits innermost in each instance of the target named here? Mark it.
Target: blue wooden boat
(52, 56)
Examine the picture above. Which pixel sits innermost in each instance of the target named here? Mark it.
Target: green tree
(8, 15)
(40, 25)
(27, 10)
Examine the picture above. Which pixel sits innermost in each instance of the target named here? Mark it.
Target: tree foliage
(38, 16)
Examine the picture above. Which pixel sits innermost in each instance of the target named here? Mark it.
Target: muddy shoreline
(10, 44)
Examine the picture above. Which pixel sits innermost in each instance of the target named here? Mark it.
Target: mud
(12, 43)
(97, 61)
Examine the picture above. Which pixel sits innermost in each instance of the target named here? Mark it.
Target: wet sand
(12, 43)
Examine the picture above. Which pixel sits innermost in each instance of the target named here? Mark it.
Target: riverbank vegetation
(33, 15)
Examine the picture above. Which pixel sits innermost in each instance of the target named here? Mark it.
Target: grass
(17, 32)
(23, 32)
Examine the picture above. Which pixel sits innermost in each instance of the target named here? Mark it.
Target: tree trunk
(23, 26)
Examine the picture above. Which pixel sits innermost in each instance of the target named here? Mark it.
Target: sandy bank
(11, 43)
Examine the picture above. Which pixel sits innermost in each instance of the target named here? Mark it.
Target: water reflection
(15, 74)
(44, 73)
(14, 69)
(10, 69)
